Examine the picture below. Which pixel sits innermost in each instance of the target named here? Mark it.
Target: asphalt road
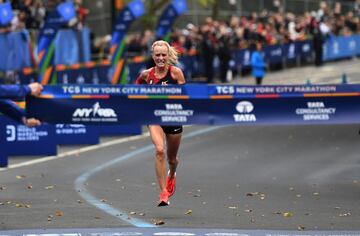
(280, 178)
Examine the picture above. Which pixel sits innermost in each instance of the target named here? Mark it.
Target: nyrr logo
(95, 111)
(245, 108)
(95, 114)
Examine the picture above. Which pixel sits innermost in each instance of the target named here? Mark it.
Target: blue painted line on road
(80, 183)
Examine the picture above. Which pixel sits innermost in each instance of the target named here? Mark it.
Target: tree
(211, 3)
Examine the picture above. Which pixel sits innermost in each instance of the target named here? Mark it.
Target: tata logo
(95, 111)
(245, 108)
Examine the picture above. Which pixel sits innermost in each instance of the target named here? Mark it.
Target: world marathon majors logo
(245, 108)
(94, 114)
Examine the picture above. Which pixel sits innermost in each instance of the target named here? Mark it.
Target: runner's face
(161, 55)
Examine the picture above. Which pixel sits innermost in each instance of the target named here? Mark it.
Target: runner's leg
(173, 144)
(158, 139)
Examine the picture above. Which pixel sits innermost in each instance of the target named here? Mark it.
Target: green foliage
(207, 3)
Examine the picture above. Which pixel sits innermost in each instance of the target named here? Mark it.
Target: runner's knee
(160, 152)
(173, 161)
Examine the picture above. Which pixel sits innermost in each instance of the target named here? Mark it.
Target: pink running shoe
(164, 198)
(171, 184)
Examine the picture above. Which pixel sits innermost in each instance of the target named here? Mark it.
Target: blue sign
(6, 14)
(132, 11)
(71, 134)
(137, 8)
(167, 18)
(114, 130)
(67, 10)
(19, 140)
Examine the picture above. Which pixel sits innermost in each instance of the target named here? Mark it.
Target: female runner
(166, 139)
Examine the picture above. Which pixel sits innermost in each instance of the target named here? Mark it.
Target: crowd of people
(219, 37)
(31, 14)
(213, 38)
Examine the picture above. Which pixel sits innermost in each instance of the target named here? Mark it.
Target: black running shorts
(172, 129)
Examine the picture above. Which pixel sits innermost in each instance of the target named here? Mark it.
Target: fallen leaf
(59, 213)
(21, 176)
(18, 205)
(252, 194)
(345, 214)
(301, 228)
(159, 222)
(288, 214)
(188, 212)
(50, 187)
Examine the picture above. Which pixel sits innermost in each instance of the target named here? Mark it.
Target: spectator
(208, 52)
(82, 12)
(7, 107)
(318, 40)
(258, 64)
(224, 54)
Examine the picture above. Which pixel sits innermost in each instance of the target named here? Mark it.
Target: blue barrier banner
(15, 51)
(273, 54)
(45, 45)
(304, 48)
(71, 134)
(289, 51)
(115, 130)
(167, 18)
(19, 140)
(72, 46)
(198, 104)
(339, 47)
(67, 49)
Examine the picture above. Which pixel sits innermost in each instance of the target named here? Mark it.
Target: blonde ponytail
(173, 54)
